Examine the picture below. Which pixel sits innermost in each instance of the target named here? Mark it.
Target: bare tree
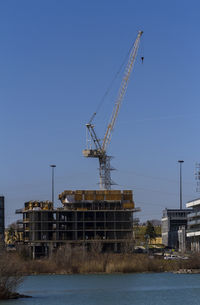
(10, 276)
(128, 245)
(96, 246)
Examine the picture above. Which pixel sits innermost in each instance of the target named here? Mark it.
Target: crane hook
(142, 58)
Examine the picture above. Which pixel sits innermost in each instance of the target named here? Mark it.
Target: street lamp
(52, 178)
(180, 162)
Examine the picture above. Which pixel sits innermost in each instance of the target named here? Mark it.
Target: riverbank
(13, 296)
(77, 261)
(188, 271)
(13, 266)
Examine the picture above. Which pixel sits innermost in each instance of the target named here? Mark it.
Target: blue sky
(57, 59)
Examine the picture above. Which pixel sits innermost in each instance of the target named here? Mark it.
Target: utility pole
(52, 180)
(180, 162)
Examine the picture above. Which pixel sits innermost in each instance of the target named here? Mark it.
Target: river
(118, 289)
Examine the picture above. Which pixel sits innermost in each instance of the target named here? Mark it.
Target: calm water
(134, 289)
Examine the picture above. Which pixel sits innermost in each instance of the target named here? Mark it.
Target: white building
(193, 229)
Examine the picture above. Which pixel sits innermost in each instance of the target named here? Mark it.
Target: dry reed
(68, 260)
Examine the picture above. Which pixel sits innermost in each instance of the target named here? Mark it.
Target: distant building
(141, 238)
(14, 234)
(193, 230)
(86, 217)
(156, 241)
(2, 221)
(171, 221)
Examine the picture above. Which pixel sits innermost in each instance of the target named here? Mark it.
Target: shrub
(10, 275)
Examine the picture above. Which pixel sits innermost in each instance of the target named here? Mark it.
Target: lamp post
(180, 162)
(52, 179)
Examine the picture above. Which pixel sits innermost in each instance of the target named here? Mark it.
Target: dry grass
(101, 263)
(69, 260)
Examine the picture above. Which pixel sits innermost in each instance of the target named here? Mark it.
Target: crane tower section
(99, 149)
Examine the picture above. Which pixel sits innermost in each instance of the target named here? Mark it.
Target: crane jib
(122, 90)
(100, 149)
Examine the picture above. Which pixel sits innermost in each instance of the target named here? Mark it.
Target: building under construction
(86, 217)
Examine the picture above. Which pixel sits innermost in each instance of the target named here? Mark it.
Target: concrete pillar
(33, 252)
(104, 215)
(95, 225)
(46, 249)
(83, 225)
(115, 233)
(57, 226)
(75, 225)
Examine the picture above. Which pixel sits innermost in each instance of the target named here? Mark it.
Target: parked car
(172, 256)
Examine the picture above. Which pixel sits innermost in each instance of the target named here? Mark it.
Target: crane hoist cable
(111, 85)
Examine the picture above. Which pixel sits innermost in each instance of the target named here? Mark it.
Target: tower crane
(99, 149)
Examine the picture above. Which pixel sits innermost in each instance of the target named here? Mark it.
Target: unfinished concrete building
(85, 217)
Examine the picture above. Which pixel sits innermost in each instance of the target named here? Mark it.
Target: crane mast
(99, 150)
